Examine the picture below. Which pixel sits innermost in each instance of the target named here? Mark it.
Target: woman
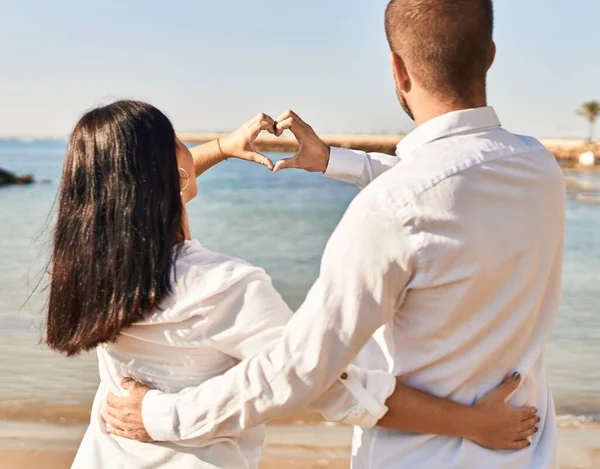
(128, 280)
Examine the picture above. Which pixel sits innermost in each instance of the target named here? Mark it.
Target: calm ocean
(278, 222)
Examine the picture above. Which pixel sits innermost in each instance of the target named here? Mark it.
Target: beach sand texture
(303, 447)
(299, 441)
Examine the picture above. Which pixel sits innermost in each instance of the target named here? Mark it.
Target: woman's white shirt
(221, 311)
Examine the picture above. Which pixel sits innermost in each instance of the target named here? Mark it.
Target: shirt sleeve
(357, 167)
(363, 277)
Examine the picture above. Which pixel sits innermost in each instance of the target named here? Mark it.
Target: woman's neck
(185, 224)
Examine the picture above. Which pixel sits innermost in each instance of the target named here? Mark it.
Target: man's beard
(405, 106)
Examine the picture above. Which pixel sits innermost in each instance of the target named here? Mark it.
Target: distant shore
(566, 151)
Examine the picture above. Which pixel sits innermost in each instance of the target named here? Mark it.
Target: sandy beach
(39, 437)
(288, 446)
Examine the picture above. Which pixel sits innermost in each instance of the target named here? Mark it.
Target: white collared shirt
(221, 311)
(451, 257)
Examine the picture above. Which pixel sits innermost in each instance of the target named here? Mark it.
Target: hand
(124, 414)
(240, 144)
(313, 154)
(503, 427)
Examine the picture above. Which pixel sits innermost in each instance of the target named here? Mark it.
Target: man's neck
(435, 108)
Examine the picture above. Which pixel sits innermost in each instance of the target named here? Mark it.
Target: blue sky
(210, 65)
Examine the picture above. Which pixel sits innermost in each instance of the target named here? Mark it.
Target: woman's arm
(238, 144)
(491, 422)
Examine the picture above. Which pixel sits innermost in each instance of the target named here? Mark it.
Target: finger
(529, 423)
(259, 126)
(119, 432)
(287, 114)
(293, 123)
(132, 435)
(527, 433)
(285, 122)
(116, 401)
(267, 123)
(113, 422)
(286, 163)
(115, 413)
(264, 117)
(529, 412)
(260, 159)
(290, 123)
(508, 387)
(291, 114)
(260, 122)
(520, 444)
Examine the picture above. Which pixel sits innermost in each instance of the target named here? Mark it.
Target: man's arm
(360, 288)
(351, 166)
(358, 167)
(251, 314)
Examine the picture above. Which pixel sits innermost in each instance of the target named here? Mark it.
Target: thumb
(508, 388)
(128, 384)
(260, 159)
(286, 163)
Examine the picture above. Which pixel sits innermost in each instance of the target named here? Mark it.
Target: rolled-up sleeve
(364, 273)
(357, 398)
(357, 167)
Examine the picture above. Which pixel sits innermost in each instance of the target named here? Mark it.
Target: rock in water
(8, 178)
(25, 179)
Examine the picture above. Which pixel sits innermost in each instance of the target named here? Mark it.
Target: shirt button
(344, 376)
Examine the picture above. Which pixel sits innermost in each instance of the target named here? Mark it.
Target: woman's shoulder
(201, 274)
(194, 262)
(201, 280)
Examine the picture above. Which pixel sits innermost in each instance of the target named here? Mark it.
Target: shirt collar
(452, 123)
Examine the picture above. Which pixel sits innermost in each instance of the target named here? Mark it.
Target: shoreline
(585, 413)
(566, 150)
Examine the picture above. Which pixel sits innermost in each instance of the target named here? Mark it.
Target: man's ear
(401, 75)
(492, 55)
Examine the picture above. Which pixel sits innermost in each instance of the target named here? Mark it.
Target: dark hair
(119, 225)
(446, 44)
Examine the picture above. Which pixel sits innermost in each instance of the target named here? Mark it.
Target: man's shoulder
(430, 165)
(390, 195)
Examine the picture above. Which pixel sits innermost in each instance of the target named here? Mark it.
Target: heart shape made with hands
(312, 155)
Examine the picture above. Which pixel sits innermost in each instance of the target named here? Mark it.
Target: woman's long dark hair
(118, 228)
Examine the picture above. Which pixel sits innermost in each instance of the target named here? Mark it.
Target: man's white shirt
(450, 259)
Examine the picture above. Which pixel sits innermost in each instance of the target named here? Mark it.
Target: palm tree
(591, 111)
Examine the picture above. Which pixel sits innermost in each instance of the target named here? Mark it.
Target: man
(450, 258)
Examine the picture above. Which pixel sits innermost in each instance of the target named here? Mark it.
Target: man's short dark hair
(445, 44)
